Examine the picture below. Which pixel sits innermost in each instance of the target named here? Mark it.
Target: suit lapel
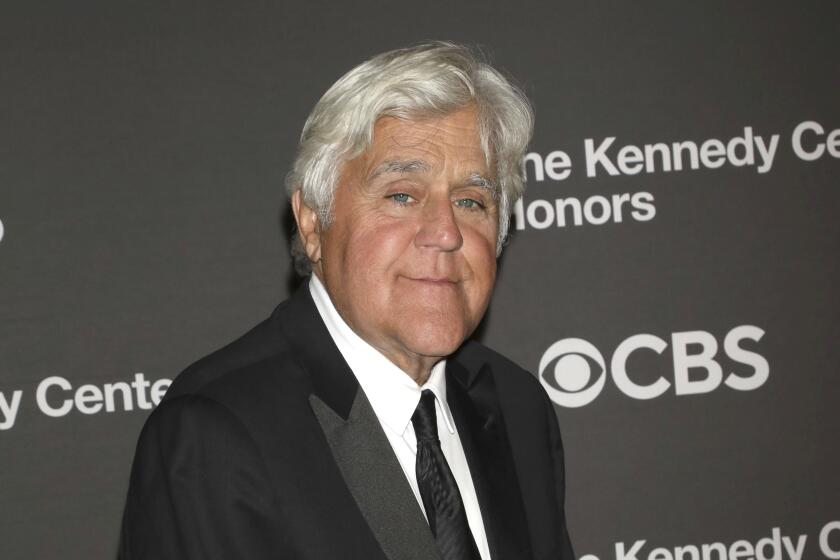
(315, 351)
(367, 462)
(376, 480)
(472, 396)
(358, 444)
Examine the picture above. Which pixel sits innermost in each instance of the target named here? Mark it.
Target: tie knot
(424, 418)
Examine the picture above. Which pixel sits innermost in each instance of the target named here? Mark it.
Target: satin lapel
(313, 347)
(474, 402)
(359, 446)
(376, 480)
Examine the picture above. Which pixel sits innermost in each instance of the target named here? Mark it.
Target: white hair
(429, 80)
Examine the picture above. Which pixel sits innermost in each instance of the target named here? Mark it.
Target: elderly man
(358, 420)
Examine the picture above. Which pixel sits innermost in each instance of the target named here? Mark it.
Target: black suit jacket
(268, 449)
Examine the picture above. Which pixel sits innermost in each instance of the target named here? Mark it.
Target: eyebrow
(476, 179)
(399, 166)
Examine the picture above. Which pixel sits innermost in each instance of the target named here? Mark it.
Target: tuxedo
(269, 449)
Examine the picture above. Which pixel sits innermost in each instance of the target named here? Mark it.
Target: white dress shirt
(394, 396)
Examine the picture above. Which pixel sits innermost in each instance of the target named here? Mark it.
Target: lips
(434, 280)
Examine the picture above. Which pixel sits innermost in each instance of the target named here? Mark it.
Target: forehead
(453, 139)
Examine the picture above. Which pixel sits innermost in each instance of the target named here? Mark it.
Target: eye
(400, 198)
(469, 204)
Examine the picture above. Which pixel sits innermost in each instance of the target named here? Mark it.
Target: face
(409, 258)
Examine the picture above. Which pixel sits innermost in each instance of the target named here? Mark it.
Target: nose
(438, 227)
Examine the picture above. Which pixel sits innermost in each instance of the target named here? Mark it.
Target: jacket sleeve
(197, 488)
(565, 544)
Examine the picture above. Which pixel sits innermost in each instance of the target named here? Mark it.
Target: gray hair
(429, 80)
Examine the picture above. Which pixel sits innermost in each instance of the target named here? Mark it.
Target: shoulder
(245, 379)
(185, 421)
(262, 348)
(516, 386)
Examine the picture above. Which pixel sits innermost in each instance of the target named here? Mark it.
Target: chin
(438, 342)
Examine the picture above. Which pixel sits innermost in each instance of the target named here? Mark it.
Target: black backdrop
(142, 151)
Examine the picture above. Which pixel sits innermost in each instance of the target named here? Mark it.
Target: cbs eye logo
(574, 360)
(574, 372)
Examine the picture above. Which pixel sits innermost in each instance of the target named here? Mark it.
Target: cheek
(480, 253)
(484, 230)
(480, 243)
(486, 282)
(375, 248)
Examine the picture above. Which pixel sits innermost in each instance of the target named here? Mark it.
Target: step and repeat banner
(672, 279)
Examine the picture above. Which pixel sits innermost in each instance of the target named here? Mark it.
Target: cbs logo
(568, 367)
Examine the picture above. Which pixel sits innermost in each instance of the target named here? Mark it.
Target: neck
(418, 368)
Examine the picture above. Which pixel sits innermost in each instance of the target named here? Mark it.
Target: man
(358, 420)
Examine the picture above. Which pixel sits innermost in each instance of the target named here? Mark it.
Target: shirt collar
(393, 395)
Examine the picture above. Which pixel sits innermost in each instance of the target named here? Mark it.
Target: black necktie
(441, 498)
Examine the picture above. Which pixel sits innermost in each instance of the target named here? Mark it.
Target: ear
(309, 227)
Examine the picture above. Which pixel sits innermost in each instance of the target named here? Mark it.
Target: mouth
(433, 280)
